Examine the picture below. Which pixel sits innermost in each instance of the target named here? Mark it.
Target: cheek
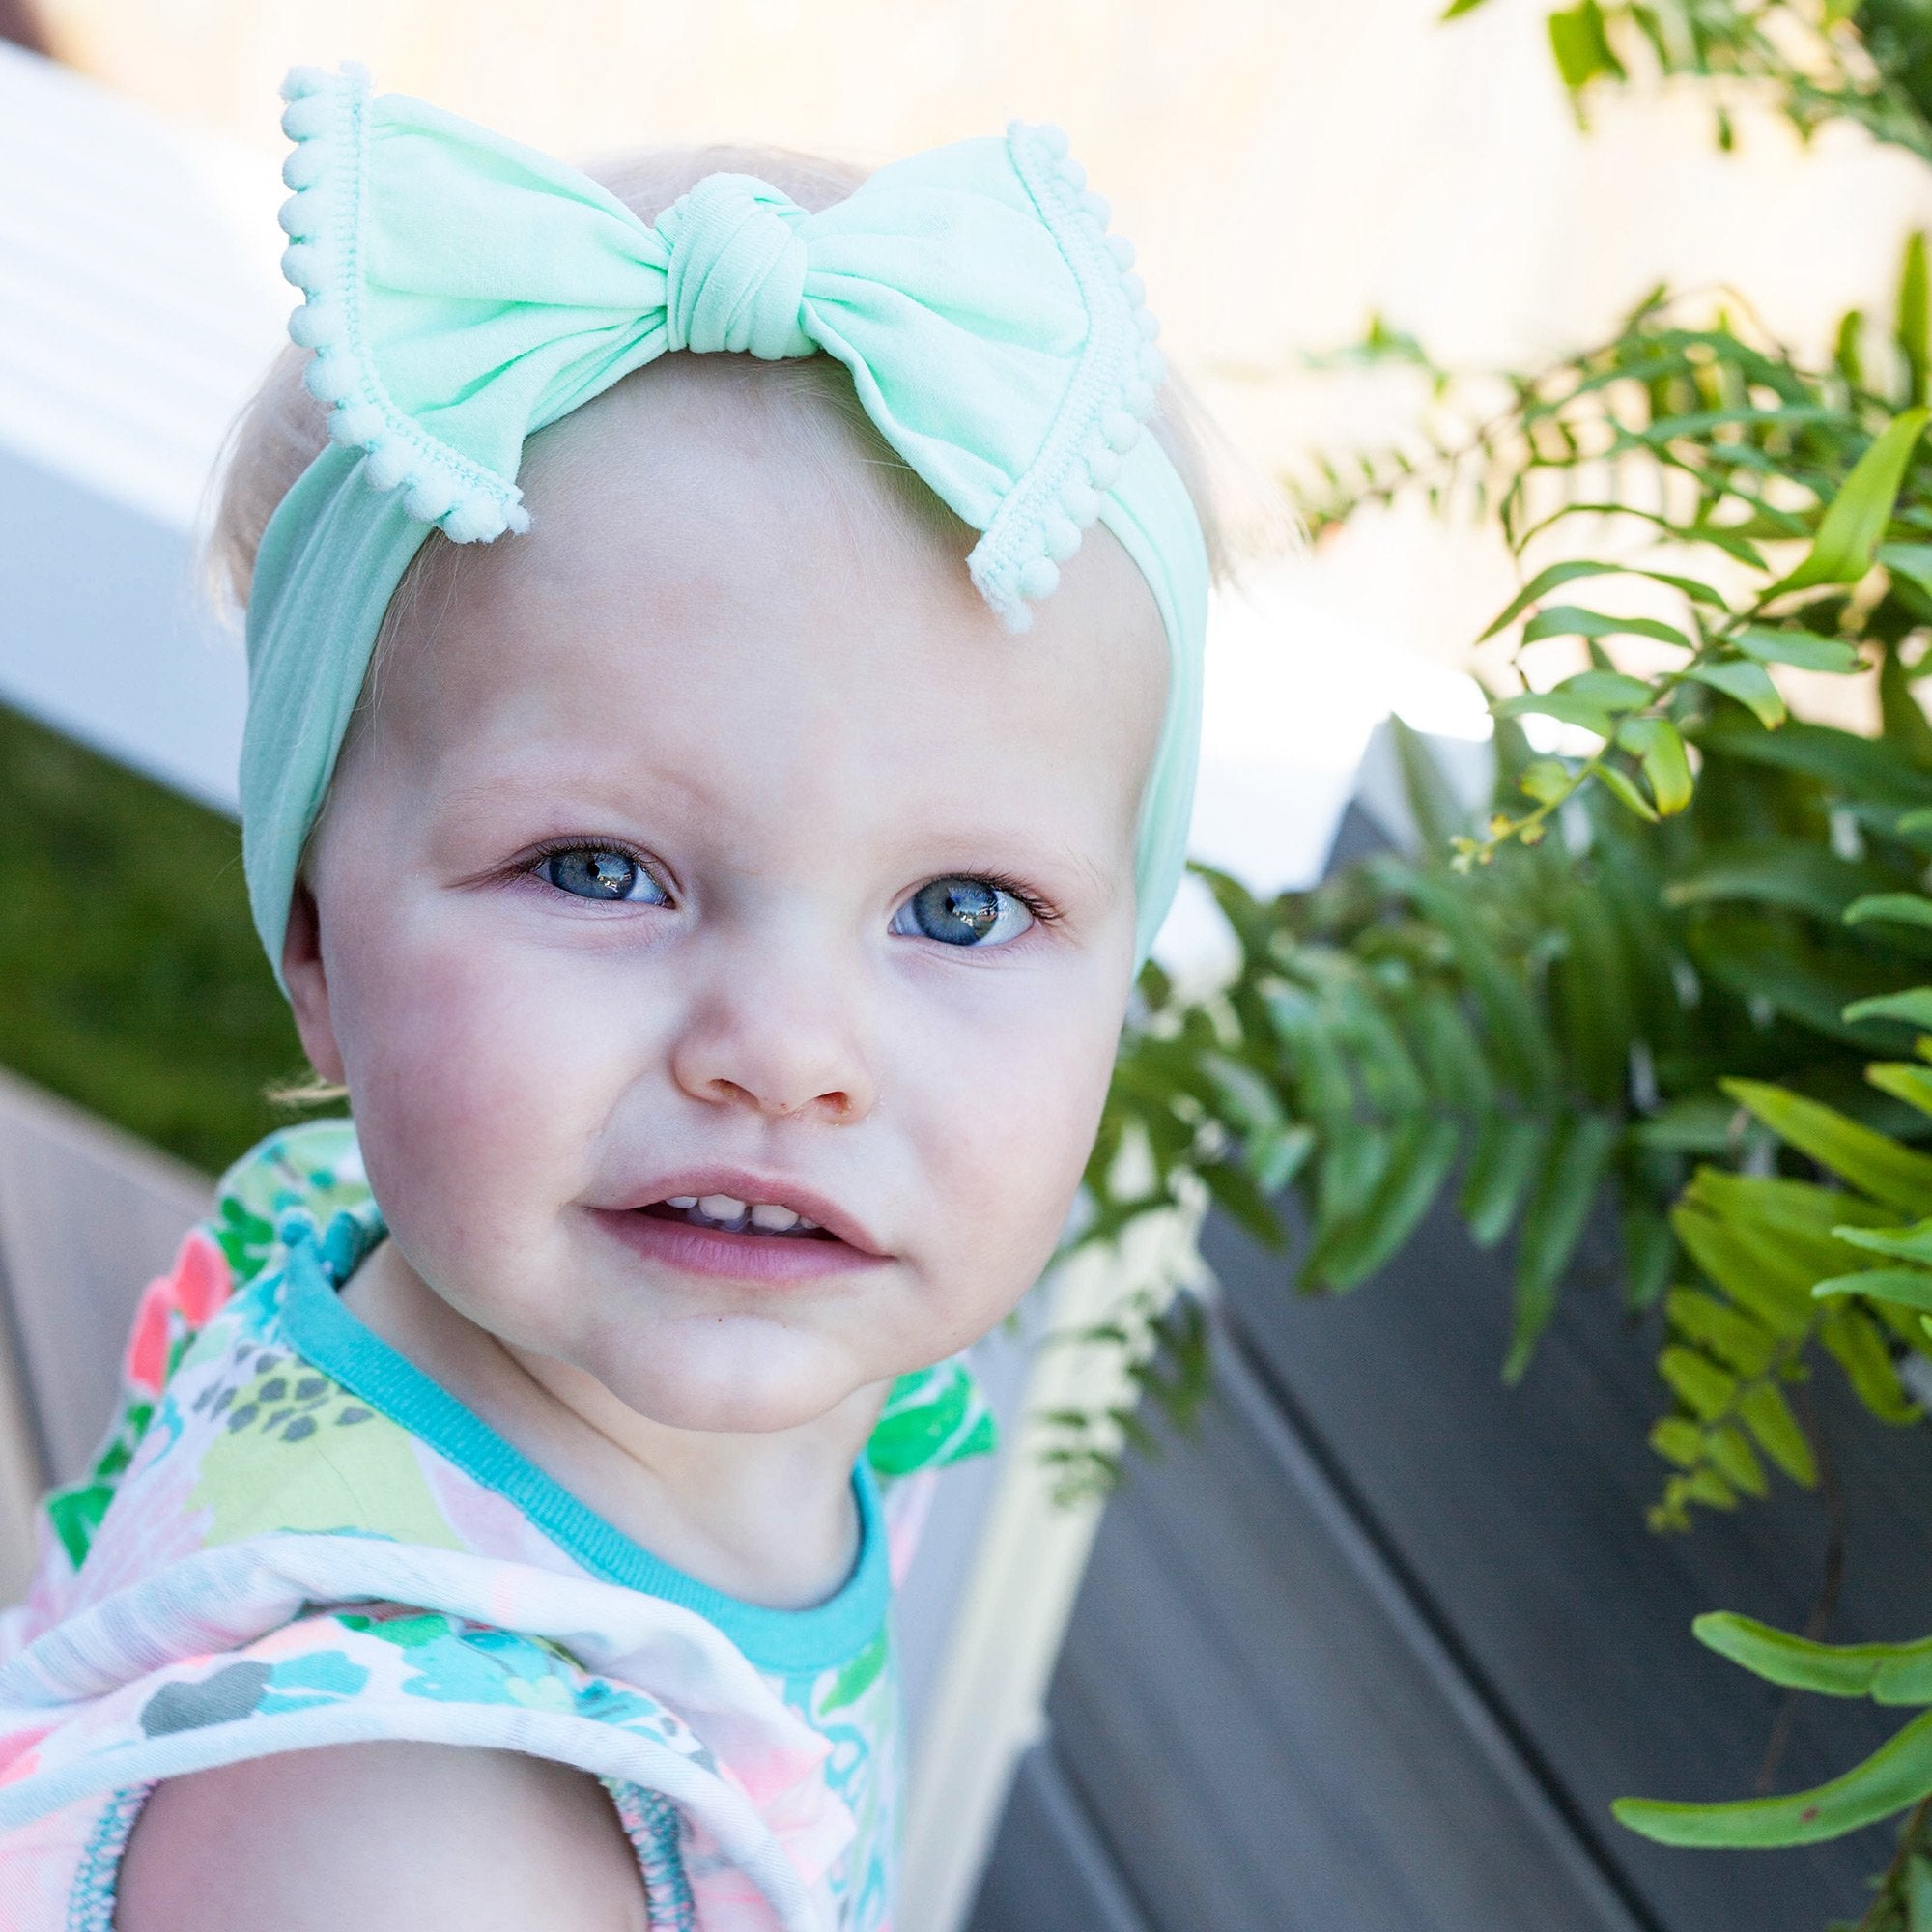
(479, 1082)
(1004, 1149)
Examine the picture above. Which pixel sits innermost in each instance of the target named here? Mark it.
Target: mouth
(739, 1237)
(726, 1214)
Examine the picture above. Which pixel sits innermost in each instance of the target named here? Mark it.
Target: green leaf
(1677, 1439)
(1887, 1673)
(1903, 1081)
(1626, 793)
(1736, 1460)
(1698, 1382)
(1657, 743)
(1236, 1193)
(1911, 1244)
(1505, 1157)
(1906, 1288)
(1553, 1224)
(1764, 1411)
(1913, 1008)
(1721, 1330)
(1867, 1159)
(1546, 781)
(1581, 47)
(1914, 319)
(1750, 684)
(1805, 649)
(1917, 1894)
(1610, 690)
(1788, 872)
(1559, 704)
(1856, 1344)
(1541, 586)
(1895, 1777)
(1458, 8)
(1573, 620)
(1900, 908)
(1911, 562)
(1423, 1153)
(1855, 522)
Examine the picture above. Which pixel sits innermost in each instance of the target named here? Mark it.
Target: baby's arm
(384, 1837)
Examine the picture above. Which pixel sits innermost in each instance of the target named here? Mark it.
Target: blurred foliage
(131, 977)
(1680, 962)
(1869, 62)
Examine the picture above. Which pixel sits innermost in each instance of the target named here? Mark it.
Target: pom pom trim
(1108, 398)
(327, 117)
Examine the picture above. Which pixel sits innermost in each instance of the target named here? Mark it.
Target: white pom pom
(306, 118)
(1153, 364)
(1071, 172)
(329, 379)
(1080, 504)
(517, 519)
(1119, 428)
(1122, 250)
(304, 327)
(1053, 138)
(1136, 289)
(1062, 533)
(476, 520)
(431, 498)
(296, 215)
(303, 166)
(1103, 465)
(302, 266)
(1097, 206)
(1137, 396)
(1147, 323)
(356, 423)
(388, 462)
(1040, 578)
(300, 82)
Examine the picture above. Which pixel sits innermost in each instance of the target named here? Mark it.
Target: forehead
(724, 570)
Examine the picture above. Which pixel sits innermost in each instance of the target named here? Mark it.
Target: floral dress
(294, 1537)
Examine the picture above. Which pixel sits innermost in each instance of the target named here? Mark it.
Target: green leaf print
(856, 1679)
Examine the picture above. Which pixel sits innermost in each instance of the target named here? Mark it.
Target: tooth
(768, 1215)
(806, 1221)
(680, 1201)
(721, 1207)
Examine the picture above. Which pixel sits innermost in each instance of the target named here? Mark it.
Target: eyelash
(1046, 913)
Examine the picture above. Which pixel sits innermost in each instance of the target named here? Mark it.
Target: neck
(766, 1517)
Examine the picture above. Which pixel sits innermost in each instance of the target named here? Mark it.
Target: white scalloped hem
(1039, 523)
(326, 118)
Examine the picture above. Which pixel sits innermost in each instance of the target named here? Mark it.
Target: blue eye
(962, 912)
(599, 872)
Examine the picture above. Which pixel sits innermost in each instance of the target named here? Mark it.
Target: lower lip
(725, 1256)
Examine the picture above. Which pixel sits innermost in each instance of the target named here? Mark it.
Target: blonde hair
(283, 429)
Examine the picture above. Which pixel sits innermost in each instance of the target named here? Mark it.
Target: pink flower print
(147, 1365)
(196, 1286)
(202, 1281)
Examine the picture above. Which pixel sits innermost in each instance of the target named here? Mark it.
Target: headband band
(464, 291)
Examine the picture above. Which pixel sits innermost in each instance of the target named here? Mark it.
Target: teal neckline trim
(825, 1637)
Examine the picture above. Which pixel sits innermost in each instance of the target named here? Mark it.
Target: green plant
(1679, 997)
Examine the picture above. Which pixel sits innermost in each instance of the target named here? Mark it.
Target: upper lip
(744, 1185)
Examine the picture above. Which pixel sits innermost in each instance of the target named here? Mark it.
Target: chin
(729, 1391)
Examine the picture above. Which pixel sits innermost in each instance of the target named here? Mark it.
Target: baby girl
(705, 803)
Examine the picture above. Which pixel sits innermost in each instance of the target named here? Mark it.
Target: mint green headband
(463, 292)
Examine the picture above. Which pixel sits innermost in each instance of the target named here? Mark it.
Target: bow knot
(736, 277)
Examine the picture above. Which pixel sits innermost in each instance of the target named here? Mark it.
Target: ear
(307, 982)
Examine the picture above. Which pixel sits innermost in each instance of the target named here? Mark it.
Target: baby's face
(713, 841)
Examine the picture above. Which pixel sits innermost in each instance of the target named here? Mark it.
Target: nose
(776, 1032)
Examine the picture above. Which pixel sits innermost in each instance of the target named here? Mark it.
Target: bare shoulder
(427, 1837)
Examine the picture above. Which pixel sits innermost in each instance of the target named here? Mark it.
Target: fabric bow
(464, 291)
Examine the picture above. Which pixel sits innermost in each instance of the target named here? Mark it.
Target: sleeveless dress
(294, 1537)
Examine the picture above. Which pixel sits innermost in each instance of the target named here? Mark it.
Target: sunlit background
(1286, 169)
